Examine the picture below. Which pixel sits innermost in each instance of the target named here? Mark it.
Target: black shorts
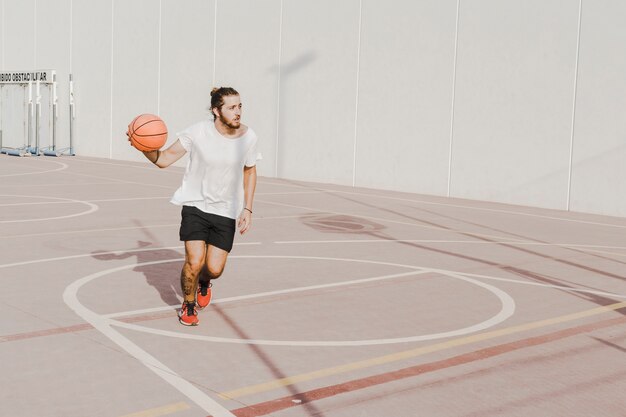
(215, 230)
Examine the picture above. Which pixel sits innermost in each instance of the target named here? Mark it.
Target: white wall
(91, 68)
(18, 25)
(405, 95)
(135, 68)
(2, 35)
(186, 62)
(247, 59)
(19, 44)
(317, 90)
(514, 101)
(599, 152)
(52, 51)
(500, 100)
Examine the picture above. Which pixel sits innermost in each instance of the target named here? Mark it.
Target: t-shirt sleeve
(186, 138)
(253, 155)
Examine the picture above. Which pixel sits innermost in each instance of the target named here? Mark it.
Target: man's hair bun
(218, 94)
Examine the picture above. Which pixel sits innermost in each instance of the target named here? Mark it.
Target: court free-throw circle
(507, 308)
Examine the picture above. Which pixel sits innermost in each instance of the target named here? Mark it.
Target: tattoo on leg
(187, 284)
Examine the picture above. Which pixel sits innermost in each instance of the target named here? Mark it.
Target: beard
(232, 123)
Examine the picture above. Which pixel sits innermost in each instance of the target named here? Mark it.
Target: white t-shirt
(213, 180)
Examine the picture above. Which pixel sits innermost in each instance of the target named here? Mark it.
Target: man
(216, 194)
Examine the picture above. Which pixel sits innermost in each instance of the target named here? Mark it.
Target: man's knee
(193, 266)
(215, 271)
(195, 253)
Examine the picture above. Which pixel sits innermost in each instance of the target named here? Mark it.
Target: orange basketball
(147, 132)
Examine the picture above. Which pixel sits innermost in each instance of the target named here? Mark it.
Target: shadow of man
(163, 277)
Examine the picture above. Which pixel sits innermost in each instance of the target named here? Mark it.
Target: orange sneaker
(188, 315)
(203, 297)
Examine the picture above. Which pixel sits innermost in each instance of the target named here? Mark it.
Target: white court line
(266, 294)
(439, 228)
(63, 166)
(105, 200)
(458, 275)
(85, 255)
(313, 287)
(285, 184)
(415, 224)
(514, 213)
(92, 208)
(289, 193)
(411, 200)
(114, 200)
(507, 307)
(69, 232)
(474, 242)
(552, 286)
(104, 326)
(180, 171)
(588, 249)
(169, 197)
(370, 217)
(114, 229)
(601, 252)
(117, 252)
(61, 184)
(118, 181)
(144, 166)
(45, 203)
(325, 190)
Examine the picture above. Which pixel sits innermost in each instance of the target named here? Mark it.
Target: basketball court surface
(340, 302)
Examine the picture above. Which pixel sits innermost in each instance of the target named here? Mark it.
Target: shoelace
(205, 288)
(191, 309)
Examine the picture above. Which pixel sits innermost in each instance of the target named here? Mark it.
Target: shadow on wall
(286, 71)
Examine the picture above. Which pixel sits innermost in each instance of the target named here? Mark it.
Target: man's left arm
(249, 186)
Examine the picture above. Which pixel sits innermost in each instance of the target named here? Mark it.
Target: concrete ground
(340, 302)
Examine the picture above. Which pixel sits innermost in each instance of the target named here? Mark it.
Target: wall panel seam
(2, 33)
(356, 106)
(71, 34)
(214, 42)
(456, 44)
(111, 78)
(571, 146)
(159, 58)
(280, 51)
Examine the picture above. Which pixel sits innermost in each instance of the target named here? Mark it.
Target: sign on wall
(21, 77)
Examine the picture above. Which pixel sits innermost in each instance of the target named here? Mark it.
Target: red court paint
(326, 392)
(78, 327)
(45, 332)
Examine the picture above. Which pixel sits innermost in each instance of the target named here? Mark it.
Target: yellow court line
(278, 383)
(160, 411)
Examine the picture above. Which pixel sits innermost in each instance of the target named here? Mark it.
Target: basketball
(147, 132)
